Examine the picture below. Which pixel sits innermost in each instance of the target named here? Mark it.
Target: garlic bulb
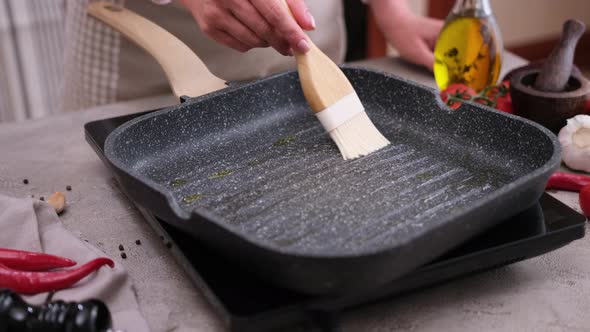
(575, 143)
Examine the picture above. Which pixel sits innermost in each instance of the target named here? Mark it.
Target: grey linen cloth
(31, 225)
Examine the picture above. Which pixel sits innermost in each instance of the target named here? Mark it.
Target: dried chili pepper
(38, 282)
(567, 181)
(32, 261)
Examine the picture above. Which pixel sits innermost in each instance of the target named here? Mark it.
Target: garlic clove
(575, 143)
(58, 201)
(581, 138)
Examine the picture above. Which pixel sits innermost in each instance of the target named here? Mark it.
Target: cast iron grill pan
(250, 171)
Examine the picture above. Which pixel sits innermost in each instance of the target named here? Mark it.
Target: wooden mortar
(553, 93)
(550, 109)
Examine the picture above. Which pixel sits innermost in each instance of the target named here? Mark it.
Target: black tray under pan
(295, 213)
(249, 304)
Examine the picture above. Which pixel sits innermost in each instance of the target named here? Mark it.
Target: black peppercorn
(123, 255)
(69, 188)
(26, 181)
(42, 198)
(121, 247)
(138, 242)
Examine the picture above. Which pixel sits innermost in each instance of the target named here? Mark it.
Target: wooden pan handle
(557, 69)
(187, 74)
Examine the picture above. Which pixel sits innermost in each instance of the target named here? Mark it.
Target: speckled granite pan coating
(250, 171)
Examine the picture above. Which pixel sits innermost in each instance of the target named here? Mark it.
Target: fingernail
(303, 46)
(311, 19)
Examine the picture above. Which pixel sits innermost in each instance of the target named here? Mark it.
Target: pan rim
(545, 170)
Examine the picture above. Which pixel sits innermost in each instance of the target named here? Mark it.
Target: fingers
(432, 29)
(421, 51)
(301, 14)
(225, 38)
(278, 16)
(241, 32)
(427, 59)
(420, 54)
(250, 17)
(246, 24)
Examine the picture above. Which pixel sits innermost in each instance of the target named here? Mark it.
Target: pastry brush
(336, 104)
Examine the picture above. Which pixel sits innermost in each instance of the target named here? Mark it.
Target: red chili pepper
(567, 181)
(585, 200)
(32, 261)
(38, 282)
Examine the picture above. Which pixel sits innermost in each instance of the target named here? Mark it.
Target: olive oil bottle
(469, 48)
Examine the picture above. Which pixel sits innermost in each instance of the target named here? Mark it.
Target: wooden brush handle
(556, 70)
(187, 74)
(322, 81)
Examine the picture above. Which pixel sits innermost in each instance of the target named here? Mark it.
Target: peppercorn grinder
(553, 93)
(16, 315)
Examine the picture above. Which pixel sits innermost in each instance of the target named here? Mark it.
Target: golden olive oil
(468, 50)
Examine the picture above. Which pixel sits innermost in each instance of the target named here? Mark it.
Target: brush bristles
(358, 137)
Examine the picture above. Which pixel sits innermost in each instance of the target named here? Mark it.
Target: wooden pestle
(556, 70)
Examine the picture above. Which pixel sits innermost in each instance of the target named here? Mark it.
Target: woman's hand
(413, 36)
(246, 24)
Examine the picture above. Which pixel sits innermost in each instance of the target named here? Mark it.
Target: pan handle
(182, 66)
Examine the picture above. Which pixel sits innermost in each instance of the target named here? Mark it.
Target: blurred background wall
(529, 21)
